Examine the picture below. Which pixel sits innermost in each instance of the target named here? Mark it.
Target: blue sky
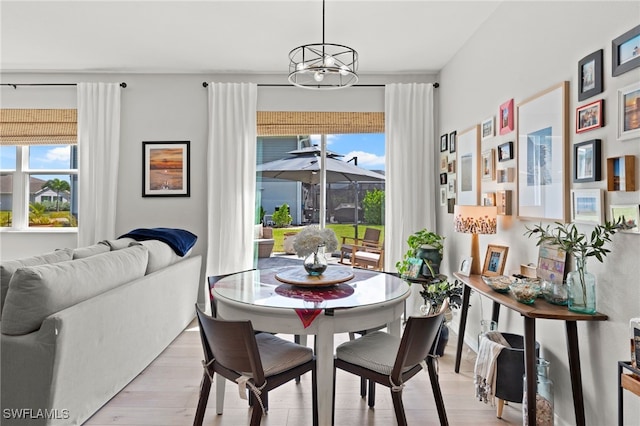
(368, 147)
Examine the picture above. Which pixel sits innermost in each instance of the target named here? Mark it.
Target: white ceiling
(212, 36)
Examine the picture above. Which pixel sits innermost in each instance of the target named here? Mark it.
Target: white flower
(311, 237)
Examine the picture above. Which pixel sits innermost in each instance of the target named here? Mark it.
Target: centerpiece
(311, 244)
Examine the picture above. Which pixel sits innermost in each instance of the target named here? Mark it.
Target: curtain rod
(205, 84)
(15, 85)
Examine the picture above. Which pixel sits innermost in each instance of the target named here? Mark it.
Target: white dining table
(366, 301)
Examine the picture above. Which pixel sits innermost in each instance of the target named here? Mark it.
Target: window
(39, 186)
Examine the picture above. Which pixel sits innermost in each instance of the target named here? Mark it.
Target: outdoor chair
(390, 361)
(261, 362)
(368, 256)
(371, 235)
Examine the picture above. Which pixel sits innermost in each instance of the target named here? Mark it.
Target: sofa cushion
(82, 252)
(160, 255)
(9, 267)
(118, 244)
(35, 292)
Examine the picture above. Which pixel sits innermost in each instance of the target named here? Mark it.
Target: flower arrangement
(311, 237)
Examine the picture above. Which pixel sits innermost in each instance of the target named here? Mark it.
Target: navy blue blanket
(179, 240)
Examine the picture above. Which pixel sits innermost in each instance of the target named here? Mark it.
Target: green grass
(341, 230)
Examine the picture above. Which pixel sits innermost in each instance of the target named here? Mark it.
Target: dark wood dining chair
(371, 236)
(264, 361)
(390, 361)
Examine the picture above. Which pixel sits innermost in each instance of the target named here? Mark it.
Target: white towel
(491, 344)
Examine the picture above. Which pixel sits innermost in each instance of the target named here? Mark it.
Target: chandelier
(323, 65)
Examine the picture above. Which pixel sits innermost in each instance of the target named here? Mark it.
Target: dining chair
(391, 361)
(260, 362)
(371, 235)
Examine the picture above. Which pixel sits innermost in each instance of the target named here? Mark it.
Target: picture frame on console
(495, 260)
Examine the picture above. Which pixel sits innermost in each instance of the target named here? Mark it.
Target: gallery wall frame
(590, 75)
(488, 165)
(505, 151)
(629, 214)
(543, 155)
(166, 169)
(443, 142)
(495, 260)
(468, 162)
(587, 161)
(443, 196)
(503, 202)
(590, 116)
(624, 55)
(629, 112)
(621, 173)
(504, 175)
(506, 117)
(487, 128)
(587, 206)
(452, 142)
(489, 199)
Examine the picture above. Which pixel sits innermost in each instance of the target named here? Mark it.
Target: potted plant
(425, 245)
(580, 283)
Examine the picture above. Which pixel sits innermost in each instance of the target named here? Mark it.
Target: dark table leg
(620, 407)
(530, 367)
(466, 291)
(574, 370)
(495, 313)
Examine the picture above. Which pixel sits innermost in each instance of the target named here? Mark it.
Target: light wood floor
(166, 393)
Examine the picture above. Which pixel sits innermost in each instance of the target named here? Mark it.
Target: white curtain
(410, 200)
(231, 176)
(98, 150)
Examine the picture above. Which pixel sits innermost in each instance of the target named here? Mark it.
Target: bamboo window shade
(288, 123)
(38, 126)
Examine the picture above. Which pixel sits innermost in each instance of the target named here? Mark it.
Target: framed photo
(465, 266)
(488, 168)
(504, 175)
(586, 206)
(415, 265)
(468, 163)
(165, 169)
(487, 128)
(451, 185)
(489, 199)
(451, 204)
(452, 142)
(443, 142)
(543, 155)
(621, 173)
(443, 178)
(590, 75)
(444, 162)
(551, 264)
(443, 197)
(505, 117)
(494, 260)
(451, 167)
(590, 116)
(586, 161)
(505, 151)
(629, 112)
(629, 215)
(625, 53)
(503, 202)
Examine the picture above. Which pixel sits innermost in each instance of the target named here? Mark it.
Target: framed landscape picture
(628, 214)
(629, 112)
(586, 206)
(165, 169)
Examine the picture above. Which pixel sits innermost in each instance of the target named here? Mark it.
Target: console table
(539, 309)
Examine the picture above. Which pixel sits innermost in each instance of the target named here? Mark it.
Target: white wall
(526, 47)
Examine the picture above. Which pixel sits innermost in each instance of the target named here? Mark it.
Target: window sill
(36, 230)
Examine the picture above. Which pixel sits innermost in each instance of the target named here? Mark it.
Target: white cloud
(367, 160)
(62, 153)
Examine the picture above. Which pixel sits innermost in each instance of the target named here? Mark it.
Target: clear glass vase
(544, 396)
(315, 264)
(582, 288)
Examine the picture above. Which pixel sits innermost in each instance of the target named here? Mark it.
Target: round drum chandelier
(323, 65)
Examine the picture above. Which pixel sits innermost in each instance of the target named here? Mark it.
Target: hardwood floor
(166, 393)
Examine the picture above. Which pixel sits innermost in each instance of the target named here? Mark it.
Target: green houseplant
(580, 283)
(425, 245)
(281, 216)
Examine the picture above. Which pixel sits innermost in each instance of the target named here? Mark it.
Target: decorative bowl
(525, 291)
(500, 284)
(555, 293)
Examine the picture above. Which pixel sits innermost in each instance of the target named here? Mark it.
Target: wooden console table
(539, 309)
(628, 382)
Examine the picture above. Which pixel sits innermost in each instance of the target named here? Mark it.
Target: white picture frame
(487, 128)
(468, 165)
(587, 206)
(628, 116)
(465, 266)
(443, 196)
(631, 214)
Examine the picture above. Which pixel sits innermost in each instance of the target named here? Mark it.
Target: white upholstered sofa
(78, 325)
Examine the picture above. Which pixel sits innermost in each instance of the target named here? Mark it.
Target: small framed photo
(488, 166)
(494, 260)
(628, 112)
(165, 169)
(489, 199)
(444, 158)
(452, 142)
(503, 202)
(586, 206)
(505, 117)
(443, 178)
(443, 143)
(504, 175)
(465, 266)
(629, 215)
(586, 161)
(590, 116)
(487, 128)
(451, 167)
(415, 265)
(451, 203)
(505, 151)
(625, 55)
(443, 196)
(451, 185)
(551, 264)
(590, 75)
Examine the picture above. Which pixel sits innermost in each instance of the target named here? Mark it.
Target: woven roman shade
(288, 123)
(38, 126)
